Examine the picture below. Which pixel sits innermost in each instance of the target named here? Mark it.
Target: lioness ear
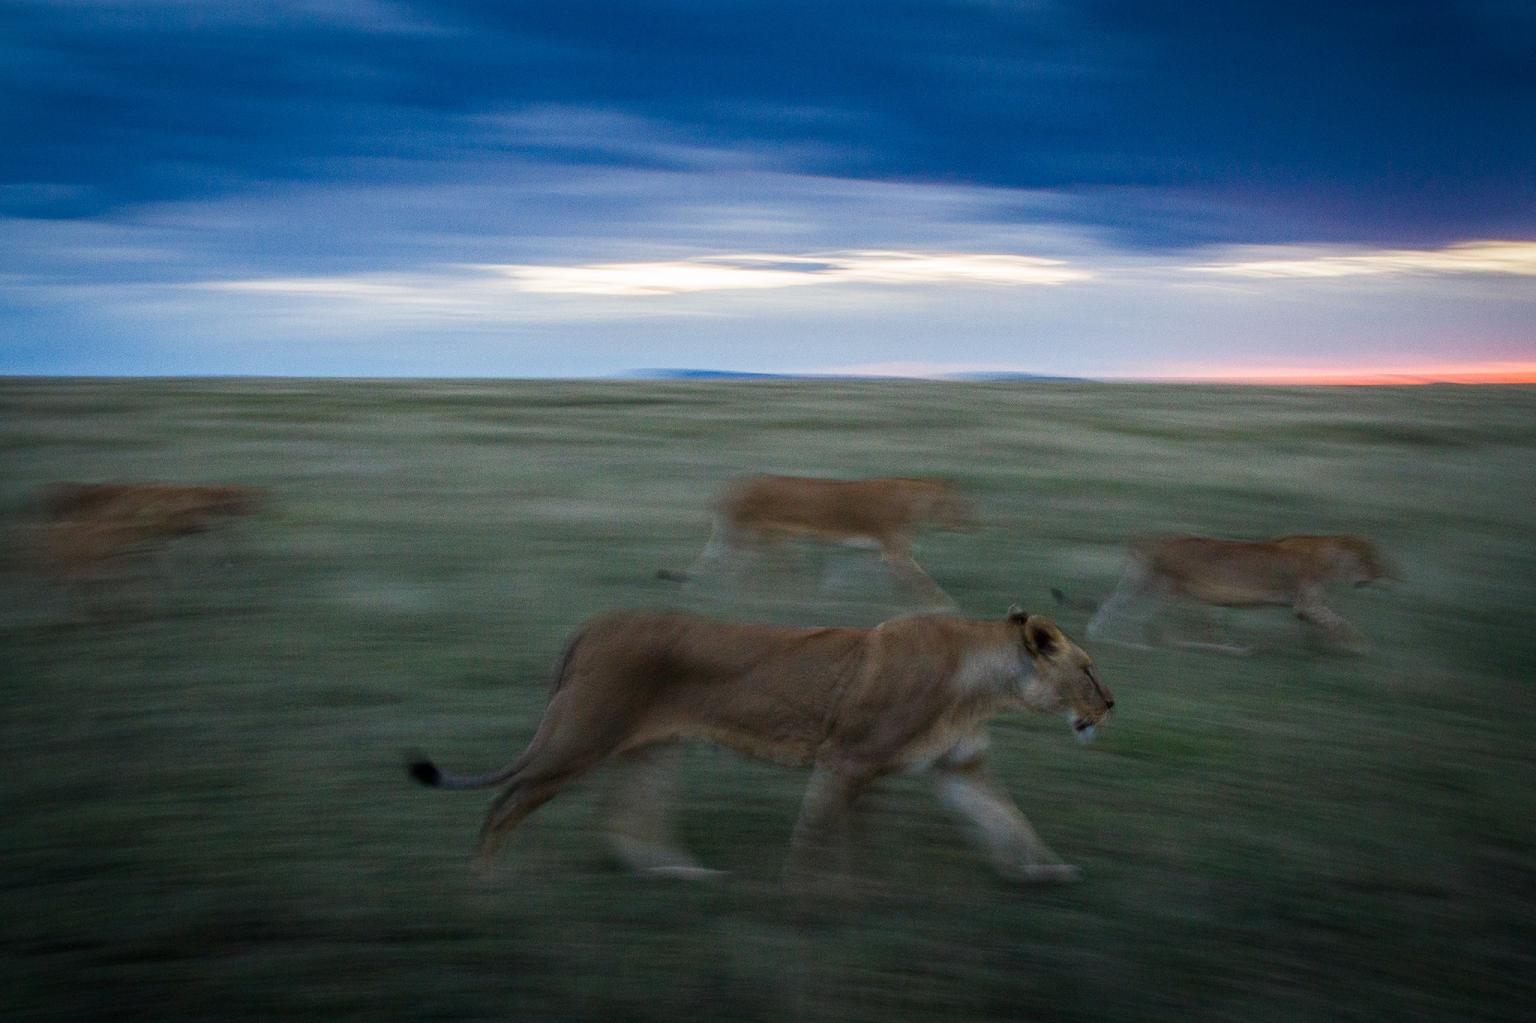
(1018, 614)
(1041, 637)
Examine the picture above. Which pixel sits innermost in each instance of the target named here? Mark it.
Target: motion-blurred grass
(206, 816)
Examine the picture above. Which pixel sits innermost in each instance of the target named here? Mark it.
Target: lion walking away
(1199, 573)
(89, 528)
(912, 694)
(755, 513)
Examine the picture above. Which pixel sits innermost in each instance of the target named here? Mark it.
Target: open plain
(206, 815)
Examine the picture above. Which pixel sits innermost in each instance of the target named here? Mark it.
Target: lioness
(882, 513)
(1289, 571)
(162, 509)
(914, 693)
(88, 527)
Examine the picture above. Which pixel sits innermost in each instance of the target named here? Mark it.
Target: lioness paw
(1048, 873)
(696, 875)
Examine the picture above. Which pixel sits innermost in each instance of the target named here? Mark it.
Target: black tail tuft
(425, 771)
(672, 575)
(1061, 598)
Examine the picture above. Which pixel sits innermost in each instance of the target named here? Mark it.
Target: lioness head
(235, 500)
(1065, 678)
(940, 504)
(1357, 561)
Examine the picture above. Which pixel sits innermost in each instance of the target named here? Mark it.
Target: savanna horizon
(1467, 374)
(207, 818)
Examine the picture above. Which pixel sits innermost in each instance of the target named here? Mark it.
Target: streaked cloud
(745, 272)
(444, 186)
(1482, 257)
(726, 273)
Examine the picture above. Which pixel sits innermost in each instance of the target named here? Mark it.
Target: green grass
(206, 816)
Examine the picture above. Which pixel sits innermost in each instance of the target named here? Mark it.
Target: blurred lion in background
(912, 694)
(1202, 572)
(756, 512)
(164, 509)
(89, 529)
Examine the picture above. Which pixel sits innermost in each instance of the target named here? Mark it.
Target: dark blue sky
(204, 186)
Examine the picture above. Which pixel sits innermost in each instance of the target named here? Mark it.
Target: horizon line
(1521, 377)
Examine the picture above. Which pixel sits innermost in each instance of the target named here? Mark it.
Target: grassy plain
(205, 815)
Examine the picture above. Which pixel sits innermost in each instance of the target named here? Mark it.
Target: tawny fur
(88, 526)
(156, 509)
(1287, 571)
(910, 694)
(882, 513)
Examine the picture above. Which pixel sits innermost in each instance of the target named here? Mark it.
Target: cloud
(1483, 257)
(463, 289)
(1402, 131)
(728, 273)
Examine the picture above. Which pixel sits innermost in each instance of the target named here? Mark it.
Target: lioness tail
(430, 775)
(1076, 605)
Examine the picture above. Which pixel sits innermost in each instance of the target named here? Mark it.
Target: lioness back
(1249, 572)
(677, 673)
(828, 508)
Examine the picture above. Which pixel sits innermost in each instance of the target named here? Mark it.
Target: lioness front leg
(637, 824)
(998, 826)
(1309, 607)
(823, 820)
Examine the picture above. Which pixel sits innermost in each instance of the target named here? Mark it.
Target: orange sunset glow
(1368, 376)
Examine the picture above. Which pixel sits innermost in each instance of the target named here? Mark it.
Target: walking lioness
(911, 694)
(88, 531)
(883, 514)
(1288, 571)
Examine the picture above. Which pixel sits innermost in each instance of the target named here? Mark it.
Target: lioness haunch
(910, 694)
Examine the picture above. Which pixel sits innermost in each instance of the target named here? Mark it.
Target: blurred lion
(159, 509)
(755, 511)
(912, 694)
(89, 529)
(1288, 571)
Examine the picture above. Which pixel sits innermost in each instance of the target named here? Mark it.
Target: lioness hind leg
(1124, 618)
(898, 557)
(1213, 638)
(516, 802)
(637, 819)
(574, 736)
(999, 828)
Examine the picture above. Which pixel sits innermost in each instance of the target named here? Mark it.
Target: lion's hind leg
(575, 736)
(517, 801)
(1212, 638)
(1124, 618)
(897, 555)
(637, 819)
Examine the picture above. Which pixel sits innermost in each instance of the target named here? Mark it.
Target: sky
(1282, 191)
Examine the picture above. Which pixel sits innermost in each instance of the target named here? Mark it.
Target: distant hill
(725, 374)
(710, 374)
(1036, 377)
